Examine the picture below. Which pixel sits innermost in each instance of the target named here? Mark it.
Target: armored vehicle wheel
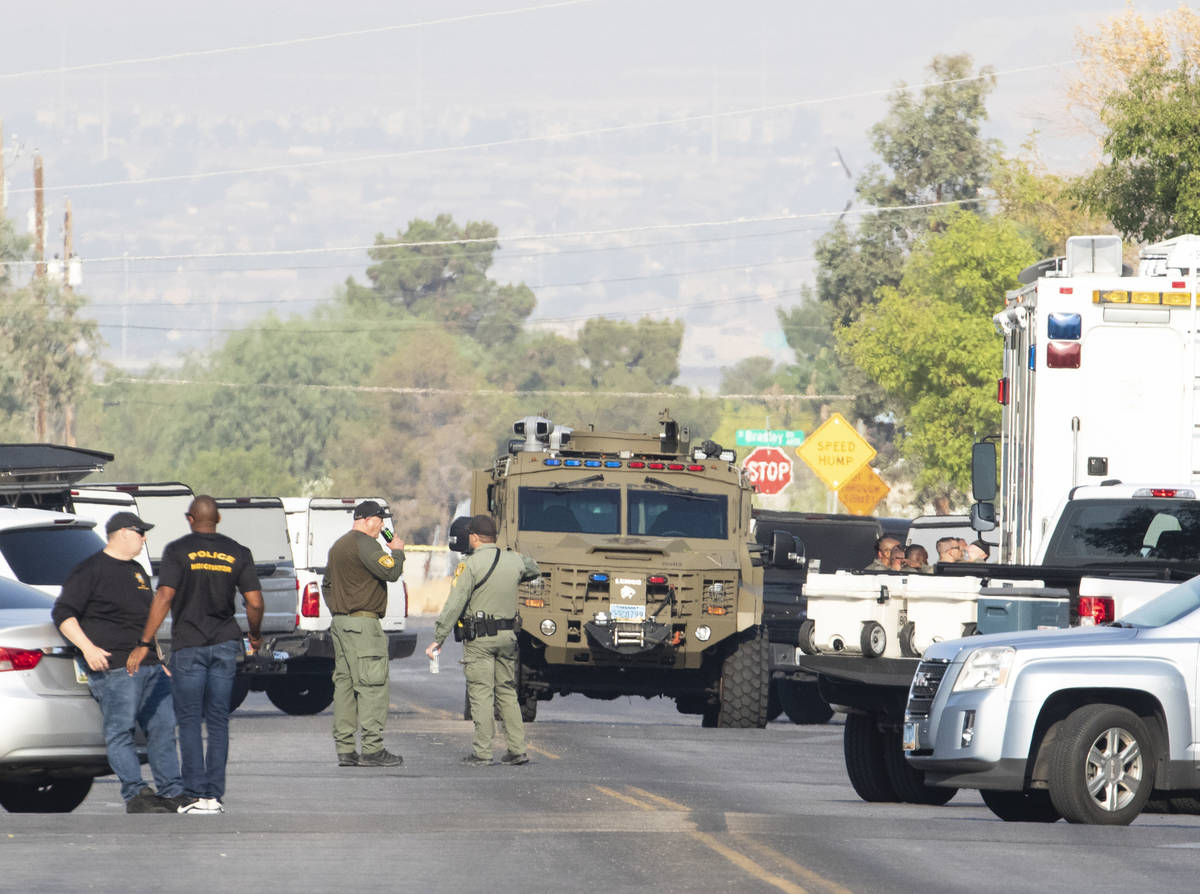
(528, 709)
(241, 688)
(744, 683)
(873, 639)
(905, 640)
(862, 747)
(708, 717)
(301, 694)
(907, 781)
(1021, 807)
(1102, 766)
(808, 629)
(802, 702)
(52, 796)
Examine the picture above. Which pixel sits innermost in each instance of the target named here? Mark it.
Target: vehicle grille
(924, 686)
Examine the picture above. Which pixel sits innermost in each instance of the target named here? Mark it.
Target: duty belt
(363, 614)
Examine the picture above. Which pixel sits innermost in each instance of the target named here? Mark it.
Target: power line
(525, 237)
(289, 42)
(469, 392)
(517, 141)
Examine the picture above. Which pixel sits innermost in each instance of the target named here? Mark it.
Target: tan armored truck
(651, 583)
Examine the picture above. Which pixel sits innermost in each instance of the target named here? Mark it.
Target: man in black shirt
(102, 610)
(197, 580)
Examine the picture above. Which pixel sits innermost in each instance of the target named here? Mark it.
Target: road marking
(735, 857)
(543, 752)
(439, 713)
(763, 850)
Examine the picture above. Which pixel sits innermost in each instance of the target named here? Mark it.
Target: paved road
(621, 796)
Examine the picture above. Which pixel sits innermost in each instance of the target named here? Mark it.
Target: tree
(1109, 57)
(931, 346)
(445, 281)
(1040, 203)
(638, 355)
(1150, 186)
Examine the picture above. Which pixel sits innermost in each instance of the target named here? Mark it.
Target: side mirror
(786, 550)
(983, 472)
(458, 540)
(983, 516)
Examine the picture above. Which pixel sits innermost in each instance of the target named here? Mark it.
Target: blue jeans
(143, 700)
(202, 680)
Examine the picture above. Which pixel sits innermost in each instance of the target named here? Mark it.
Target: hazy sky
(766, 65)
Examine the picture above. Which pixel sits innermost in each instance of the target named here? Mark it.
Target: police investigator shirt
(200, 567)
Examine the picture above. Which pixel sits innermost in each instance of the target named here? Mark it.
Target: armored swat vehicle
(651, 583)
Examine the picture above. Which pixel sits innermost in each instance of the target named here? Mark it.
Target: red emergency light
(1099, 609)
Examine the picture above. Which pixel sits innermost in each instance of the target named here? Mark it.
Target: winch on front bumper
(626, 637)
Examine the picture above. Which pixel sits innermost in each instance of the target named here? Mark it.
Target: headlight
(985, 669)
(548, 627)
(703, 633)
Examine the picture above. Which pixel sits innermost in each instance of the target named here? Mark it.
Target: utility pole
(68, 250)
(39, 221)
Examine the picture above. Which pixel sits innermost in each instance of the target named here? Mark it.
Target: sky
(673, 158)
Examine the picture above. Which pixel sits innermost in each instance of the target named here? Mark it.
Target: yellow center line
(439, 713)
(542, 751)
(763, 850)
(739, 860)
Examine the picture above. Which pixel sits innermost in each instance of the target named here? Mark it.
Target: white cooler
(854, 613)
(938, 609)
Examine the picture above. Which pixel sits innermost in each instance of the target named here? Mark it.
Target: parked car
(52, 736)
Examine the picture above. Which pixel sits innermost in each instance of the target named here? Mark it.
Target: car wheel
(241, 688)
(52, 796)
(802, 702)
(1102, 767)
(301, 694)
(862, 747)
(1021, 807)
(907, 781)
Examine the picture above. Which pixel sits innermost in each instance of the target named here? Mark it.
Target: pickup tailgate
(259, 524)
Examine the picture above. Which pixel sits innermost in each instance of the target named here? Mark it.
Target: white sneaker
(203, 805)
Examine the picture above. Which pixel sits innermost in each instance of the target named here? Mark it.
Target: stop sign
(769, 469)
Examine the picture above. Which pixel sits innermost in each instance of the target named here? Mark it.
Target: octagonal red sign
(769, 469)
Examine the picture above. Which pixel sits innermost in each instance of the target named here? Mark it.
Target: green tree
(1150, 186)
(631, 355)
(930, 344)
(445, 281)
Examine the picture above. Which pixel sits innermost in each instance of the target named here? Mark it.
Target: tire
(1183, 804)
(907, 781)
(241, 688)
(708, 718)
(808, 631)
(774, 706)
(802, 702)
(862, 747)
(873, 639)
(301, 694)
(905, 640)
(52, 796)
(1102, 766)
(1022, 807)
(745, 683)
(528, 709)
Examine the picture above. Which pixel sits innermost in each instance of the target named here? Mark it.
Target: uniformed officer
(484, 594)
(355, 589)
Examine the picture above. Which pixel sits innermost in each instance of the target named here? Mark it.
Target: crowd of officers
(110, 612)
(891, 555)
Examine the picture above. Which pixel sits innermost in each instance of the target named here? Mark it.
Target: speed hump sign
(769, 469)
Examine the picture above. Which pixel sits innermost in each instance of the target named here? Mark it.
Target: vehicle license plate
(621, 612)
(910, 737)
(80, 671)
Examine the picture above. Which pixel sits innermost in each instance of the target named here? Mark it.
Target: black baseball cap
(127, 520)
(370, 509)
(482, 525)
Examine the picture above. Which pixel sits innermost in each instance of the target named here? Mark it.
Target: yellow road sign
(835, 451)
(863, 492)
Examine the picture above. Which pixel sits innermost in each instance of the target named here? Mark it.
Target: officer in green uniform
(355, 590)
(484, 594)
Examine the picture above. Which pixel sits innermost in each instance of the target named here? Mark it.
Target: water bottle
(433, 662)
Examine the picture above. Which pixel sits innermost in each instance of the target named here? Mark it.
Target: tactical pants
(490, 666)
(360, 682)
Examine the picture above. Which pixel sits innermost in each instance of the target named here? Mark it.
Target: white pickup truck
(1082, 724)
